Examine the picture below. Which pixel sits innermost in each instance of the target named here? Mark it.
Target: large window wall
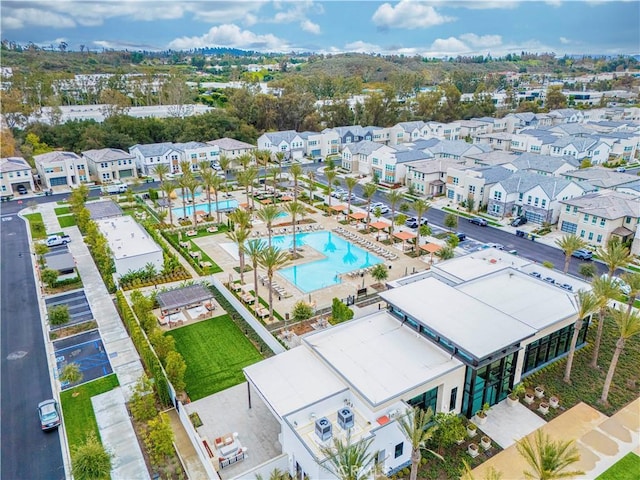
(551, 347)
(488, 384)
(426, 400)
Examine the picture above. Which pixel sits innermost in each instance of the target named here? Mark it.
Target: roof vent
(323, 429)
(345, 418)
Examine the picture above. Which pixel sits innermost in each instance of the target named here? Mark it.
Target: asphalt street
(27, 452)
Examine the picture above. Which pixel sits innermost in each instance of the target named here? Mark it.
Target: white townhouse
(602, 178)
(566, 115)
(357, 157)
(429, 177)
(150, 155)
(14, 171)
(494, 125)
(319, 145)
(536, 197)
(394, 169)
(442, 131)
(232, 148)
(466, 183)
(624, 145)
(288, 142)
(533, 141)
(488, 159)
(601, 216)
(455, 149)
(517, 121)
(61, 169)
(542, 164)
(472, 128)
(581, 148)
(194, 153)
(110, 164)
(496, 140)
(405, 132)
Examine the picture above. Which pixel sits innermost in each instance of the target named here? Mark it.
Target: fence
(281, 463)
(196, 440)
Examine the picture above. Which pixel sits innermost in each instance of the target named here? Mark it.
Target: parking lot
(76, 301)
(87, 351)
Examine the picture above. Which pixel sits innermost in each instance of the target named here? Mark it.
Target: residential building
(533, 141)
(602, 178)
(442, 131)
(517, 121)
(534, 196)
(357, 157)
(542, 164)
(566, 115)
(488, 159)
(288, 142)
(494, 125)
(466, 183)
(148, 156)
(456, 149)
(194, 153)
(472, 128)
(601, 216)
(14, 171)
(497, 140)
(589, 148)
(429, 177)
(232, 148)
(61, 169)
(110, 164)
(405, 132)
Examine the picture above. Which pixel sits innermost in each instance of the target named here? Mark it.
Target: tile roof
(278, 137)
(602, 177)
(524, 181)
(365, 147)
(13, 164)
(107, 154)
(227, 143)
(543, 163)
(55, 157)
(607, 204)
(153, 149)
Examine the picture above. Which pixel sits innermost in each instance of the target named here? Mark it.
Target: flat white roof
(126, 237)
(293, 379)
(379, 357)
(471, 324)
(525, 298)
(480, 263)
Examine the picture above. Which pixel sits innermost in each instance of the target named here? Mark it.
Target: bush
(340, 312)
(175, 368)
(71, 373)
(159, 439)
(49, 277)
(142, 403)
(59, 315)
(547, 264)
(91, 461)
(301, 311)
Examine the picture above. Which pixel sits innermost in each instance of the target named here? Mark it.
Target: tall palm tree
(311, 178)
(415, 425)
(394, 197)
(192, 185)
(294, 209)
(633, 280)
(420, 206)
(183, 183)
(628, 324)
(587, 304)
(207, 174)
(262, 158)
(239, 236)
(272, 259)
(279, 160)
(185, 167)
(295, 171)
(347, 460)
(225, 164)
(548, 459)
(161, 171)
(253, 249)
(615, 255)
(274, 173)
(244, 160)
(568, 244)
(368, 190)
(216, 184)
(350, 183)
(604, 289)
(268, 214)
(331, 177)
(241, 218)
(168, 188)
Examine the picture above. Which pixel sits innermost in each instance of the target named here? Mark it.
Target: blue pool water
(222, 205)
(341, 257)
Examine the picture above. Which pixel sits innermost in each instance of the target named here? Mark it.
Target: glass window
(602, 222)
(590, 235)
(599, 239)
(586, 217)
(453, 399)
(398, 450)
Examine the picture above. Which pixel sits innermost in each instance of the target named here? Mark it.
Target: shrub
(71, 373)
(49, 277)
(340, 312)
(547, 264)
(302, 311)
(91, 461)
(59, 315)
(175, 367)
(159, 439)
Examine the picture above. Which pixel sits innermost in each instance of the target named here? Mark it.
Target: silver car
(49, 415)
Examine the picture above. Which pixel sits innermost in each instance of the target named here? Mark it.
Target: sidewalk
(186, 451)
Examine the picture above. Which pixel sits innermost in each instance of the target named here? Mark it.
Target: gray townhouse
(107, 165)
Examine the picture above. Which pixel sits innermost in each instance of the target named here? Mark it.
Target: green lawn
(63, 211)
(215, 352)
(79, 419)
(67, 221)
(627, 468)
(36, 225)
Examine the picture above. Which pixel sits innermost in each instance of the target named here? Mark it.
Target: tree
(445, 253)
(159, 439)
(272, 259)
(548, 459)
(295, 171)
(632, 279)
(59, 314)
(568, 244)
(209, 177)
(268, 214)
(350, 183)
(311, 183)
(587, 304)
(192, 185)
(347, 460)
(331, 177)
(340, 312)
(451, 221)
(380, 273)
(183, 182)
(175, 367)
(161, 170)
(555, 99)
(168, 188)
(7, 143)
(450, 430)
(587, 270)
(162, 344)
(415, 425)
(239, 236)
(294, 209)
(628, 324)
(91, 461)
(176, 94)
(143, 403)
(50, 277)
(301, 311)
(614, 255)
(225, 164)
(71, 373)
(420, 206)
(253, 249)
(115, 103)
(604, 289)
(368, 191)
(394, 197)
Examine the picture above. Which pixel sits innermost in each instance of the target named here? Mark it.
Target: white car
(624, 287)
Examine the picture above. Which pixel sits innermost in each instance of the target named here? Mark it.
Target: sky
(435, 28)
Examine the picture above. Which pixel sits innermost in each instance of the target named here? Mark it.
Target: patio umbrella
(404, 236)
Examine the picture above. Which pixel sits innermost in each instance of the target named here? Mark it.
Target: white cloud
(231, 35)
(449, 46)
(310, 27)
(408, 14)
(20, 18)
(564, 40)
(361, 47)
(483, 41)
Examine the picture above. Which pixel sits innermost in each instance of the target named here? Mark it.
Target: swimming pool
(222, 205)
(341, 256)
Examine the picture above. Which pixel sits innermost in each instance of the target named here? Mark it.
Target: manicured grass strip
(67, 221)
(79, 419)
(36, 225)
(215, 352)
(627, 468)
(63, 210)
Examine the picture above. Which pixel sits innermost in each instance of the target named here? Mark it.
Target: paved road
(27, 452)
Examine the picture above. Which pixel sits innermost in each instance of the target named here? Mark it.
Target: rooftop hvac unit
(323, 429)
(345, 418)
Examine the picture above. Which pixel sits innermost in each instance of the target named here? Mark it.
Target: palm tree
(161, 170)
(241, 218)
(225, 163)
(311, 178)
(569, 244)
(274, 173)
(368, 190)
(192, 185)
(253, 249)
(348, 461)
(604, 289)
(294, 209)
(587, 304)
(445, 253)
(415, 425)
(628, 325)
(394, 197)
(331, 177)
(168, 188)
(183, 183)
(295, 171)
(244, 160)
(208, 179)
(268, 214)
(246, 178)
(216, 184)
(548, 459)
(279, 160)
(185, 167)
(272, 259)
(420, 206)
(239, 236)
(633, 280)
(262, 158)
(350, 183)
(615, 255)
(380, 272)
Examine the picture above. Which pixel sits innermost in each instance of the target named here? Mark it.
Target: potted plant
(554, 402)
(481, 414)
(539, 391)
(516, 392)
(472, 430)
(543, 408)
(485, 442)
(472, 450)
(528, 397)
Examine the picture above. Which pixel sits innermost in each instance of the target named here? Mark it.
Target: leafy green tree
(628, 324)
(340, 312)
(452, 240)
(555, 99)
(548, 459)
(50, 277)
(450, 430)
(91, 461)
(272, 259)
(569, 244)
(71, 373)
(451, 221)
(59, 314)
(445, 253)
(162, 343)
(380, 273)
(143, 403)
(159, 439)
(347, 460)
(176, 367)
(587, 304)
(415, 426)
(301, 311)
(587, 270)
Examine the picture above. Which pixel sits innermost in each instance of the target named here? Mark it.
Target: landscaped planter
(480, 418)
(471, 430)
(472, 450)
(512, 402)
(528, 398)
(543, 408)
(554, 402)
(539, 392)
(485, 443)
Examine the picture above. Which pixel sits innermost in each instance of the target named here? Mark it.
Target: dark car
(583, 254)
(22, 190)
(478, 221)
(516, 222)
(461, 236)
(49, 414)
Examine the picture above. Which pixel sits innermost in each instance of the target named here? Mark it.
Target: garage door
(534, 217)
(58, 181)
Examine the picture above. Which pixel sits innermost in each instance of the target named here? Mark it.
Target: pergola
(338, 208)
(431, 248)
(404, 236)
(358, 215)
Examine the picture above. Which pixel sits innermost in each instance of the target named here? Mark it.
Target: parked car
(461, 236)
(583, 254)
(56, 240)
(383, 209)
(22, 190)
(412, 222)
(337, 193)
(621, 169)
(624, 287)
(478, 221)
(516, 222)
(497, 246)
(345, 197)
(49, 415)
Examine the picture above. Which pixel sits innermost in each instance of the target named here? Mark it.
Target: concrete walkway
(118, 436)
(507, 424)
(190, 460)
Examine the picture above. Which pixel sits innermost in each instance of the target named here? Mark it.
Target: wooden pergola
(404, 236)
(431, 248)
